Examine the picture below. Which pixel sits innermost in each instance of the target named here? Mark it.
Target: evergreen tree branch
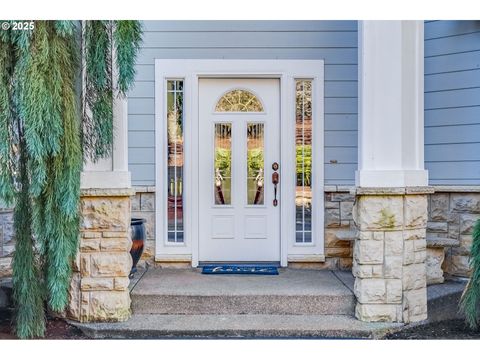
(48, 127)
(470, 300)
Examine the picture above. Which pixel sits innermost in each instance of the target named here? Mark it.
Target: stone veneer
(99, 288)
(339, 227)
(390, 253)
(452, 213)
(143, 206)
(7, 243)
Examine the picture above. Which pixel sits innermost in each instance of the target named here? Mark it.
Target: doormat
(240, 270)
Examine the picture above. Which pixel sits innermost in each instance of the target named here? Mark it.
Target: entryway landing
(292, 292)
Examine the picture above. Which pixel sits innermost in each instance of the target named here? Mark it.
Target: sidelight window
(175, 158)
(303, 149)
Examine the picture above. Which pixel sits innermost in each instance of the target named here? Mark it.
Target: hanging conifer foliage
(470, 300)
(48, 127)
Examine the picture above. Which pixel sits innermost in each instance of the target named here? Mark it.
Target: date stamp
(18, 25)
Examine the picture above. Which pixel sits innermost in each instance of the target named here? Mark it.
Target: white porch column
(390, 148)
(390, 210)
(99, 286)
(112, 172)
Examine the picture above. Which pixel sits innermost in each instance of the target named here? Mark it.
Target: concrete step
(293, 292)
(143, 326)
(231, 304)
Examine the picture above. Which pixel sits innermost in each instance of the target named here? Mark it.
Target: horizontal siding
(452, 81)
(451, 116)
(439, 29)
(141, 122)
(333, 41)
(248, 26)
(142, 174)
(466, 170)
(452, 98)
(452, 102)
(452, 134)
(264, 40)
(452, 152)
(337, 55)
(142, 139)
(452, 45)
(145, 155)
(452, 63)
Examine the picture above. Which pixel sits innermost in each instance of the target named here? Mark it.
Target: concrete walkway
(145, 326)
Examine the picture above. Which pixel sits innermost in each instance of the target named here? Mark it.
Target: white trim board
(287, 71)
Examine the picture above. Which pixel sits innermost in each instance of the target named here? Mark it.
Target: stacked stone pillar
(99, 288)
(389, 254)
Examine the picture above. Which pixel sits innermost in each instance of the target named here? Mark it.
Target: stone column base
(99, 287)
(389, 254)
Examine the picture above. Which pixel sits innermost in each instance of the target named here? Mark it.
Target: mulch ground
(57, 329)
(443, 330)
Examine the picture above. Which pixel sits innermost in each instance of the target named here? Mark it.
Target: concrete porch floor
(183, 303)
(292, 292)
(159, 281)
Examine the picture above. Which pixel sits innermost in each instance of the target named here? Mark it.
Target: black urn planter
(137, 228)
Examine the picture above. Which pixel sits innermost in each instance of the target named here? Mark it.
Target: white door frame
(287, 71)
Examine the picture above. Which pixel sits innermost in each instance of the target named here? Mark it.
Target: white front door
(239, 141)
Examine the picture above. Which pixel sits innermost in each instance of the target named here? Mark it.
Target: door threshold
(243, 263)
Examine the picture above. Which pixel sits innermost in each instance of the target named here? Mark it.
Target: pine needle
(470, 300)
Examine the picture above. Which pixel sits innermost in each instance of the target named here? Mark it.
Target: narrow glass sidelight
(255, 163)
(222, 177)
(303, 148)
(175, 159)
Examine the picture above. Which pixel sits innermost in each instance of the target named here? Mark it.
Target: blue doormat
(232, 269)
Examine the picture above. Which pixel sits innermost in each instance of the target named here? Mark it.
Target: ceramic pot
(137, 228)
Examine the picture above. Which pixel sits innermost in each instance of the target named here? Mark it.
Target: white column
(390, 89)
(112, 172)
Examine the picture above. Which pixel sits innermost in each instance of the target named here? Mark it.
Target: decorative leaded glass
(255, 163)
(223, 164)
(239, 101)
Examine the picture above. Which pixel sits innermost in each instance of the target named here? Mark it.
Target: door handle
(275, 181)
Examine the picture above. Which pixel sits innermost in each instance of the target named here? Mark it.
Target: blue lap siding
(333, 41)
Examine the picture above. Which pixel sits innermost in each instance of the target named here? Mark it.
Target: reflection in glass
(303, 147)
(239, 100)
(255, 164)
(175, 160)
(223, 164)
